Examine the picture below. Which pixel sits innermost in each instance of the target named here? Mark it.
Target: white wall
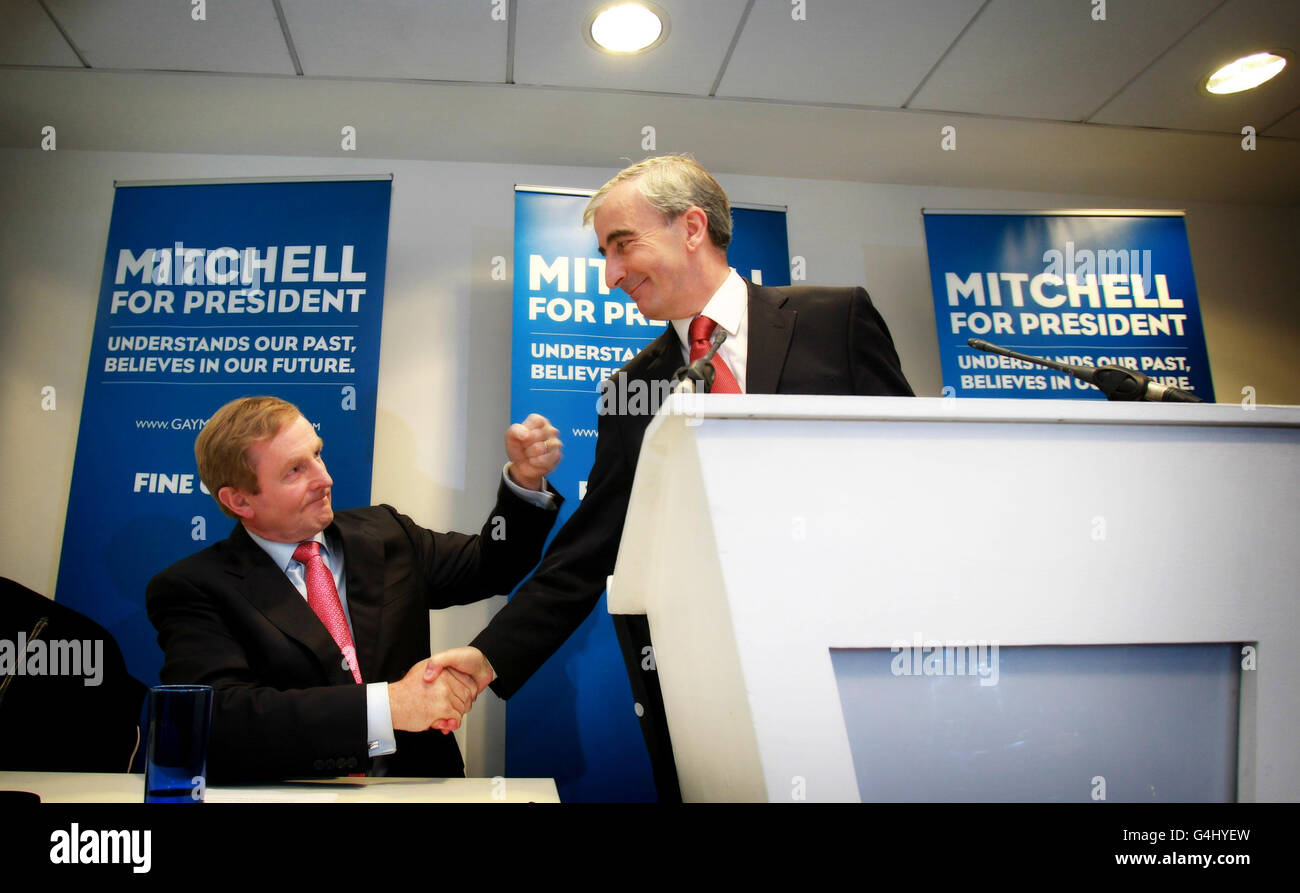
(444, 362)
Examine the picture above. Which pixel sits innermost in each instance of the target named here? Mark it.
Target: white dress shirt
(729, 308)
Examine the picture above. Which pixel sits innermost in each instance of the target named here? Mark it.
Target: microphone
(1116, 382)
(689, 378)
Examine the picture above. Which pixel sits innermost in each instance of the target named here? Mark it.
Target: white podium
(766, 531)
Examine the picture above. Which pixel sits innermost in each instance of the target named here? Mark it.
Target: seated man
(288, 616)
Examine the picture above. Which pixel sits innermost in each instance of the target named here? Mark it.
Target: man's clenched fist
(534, 449)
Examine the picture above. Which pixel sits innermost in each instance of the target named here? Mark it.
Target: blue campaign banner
(574, 720)
(1080, 287)
(212, 292)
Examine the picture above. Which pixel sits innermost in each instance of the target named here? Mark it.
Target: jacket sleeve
(555, 601)
(873, 360)
(460, 568)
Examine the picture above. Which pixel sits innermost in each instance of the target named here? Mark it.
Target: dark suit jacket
(801, 341)
(284, 706)
(44, 719)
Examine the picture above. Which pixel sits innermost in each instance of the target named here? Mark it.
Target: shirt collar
(282, 553)
(726, 308)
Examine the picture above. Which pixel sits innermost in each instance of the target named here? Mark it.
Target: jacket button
(318, 765)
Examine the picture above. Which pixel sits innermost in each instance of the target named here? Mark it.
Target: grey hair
(672, 184)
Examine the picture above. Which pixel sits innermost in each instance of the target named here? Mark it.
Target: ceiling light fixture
(1245, 73)
(626, 28)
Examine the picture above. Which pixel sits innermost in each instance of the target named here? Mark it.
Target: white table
(88, 787)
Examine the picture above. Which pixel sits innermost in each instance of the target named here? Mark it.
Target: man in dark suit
(44, 718)
(299, 606)
(663, 226)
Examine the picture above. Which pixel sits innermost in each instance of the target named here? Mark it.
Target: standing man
(663, 226)
(312, 626)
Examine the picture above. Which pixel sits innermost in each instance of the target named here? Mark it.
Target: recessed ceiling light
(1245, 73)
(626, 28)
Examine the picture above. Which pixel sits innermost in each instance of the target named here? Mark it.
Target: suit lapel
(771, 326)
(363, 556)
(663, 356)
(268, 590)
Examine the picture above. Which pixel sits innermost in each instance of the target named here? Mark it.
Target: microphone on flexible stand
(1116, 382)
(700, 372)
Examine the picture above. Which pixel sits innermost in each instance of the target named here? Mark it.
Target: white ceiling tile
(1169, 95)
(1037, 59)
(440, 40)
(1015, 58)
(550, 48)
(235, 36)
(28, 37)
(844, 51)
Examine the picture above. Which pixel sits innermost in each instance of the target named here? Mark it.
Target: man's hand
(534, 449)
(431, 695)
(470, 666)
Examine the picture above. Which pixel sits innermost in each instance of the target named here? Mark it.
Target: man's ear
(236, 500)
(696, 222)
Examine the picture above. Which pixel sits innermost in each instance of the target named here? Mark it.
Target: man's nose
(613, 273)
(323, 478)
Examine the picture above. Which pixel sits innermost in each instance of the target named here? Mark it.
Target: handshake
(436, 693)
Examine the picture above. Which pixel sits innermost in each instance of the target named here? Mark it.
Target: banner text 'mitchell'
(178, 265)
(1112, 290)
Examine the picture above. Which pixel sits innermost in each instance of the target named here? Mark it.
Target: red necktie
(324, 600)
(700, 332)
